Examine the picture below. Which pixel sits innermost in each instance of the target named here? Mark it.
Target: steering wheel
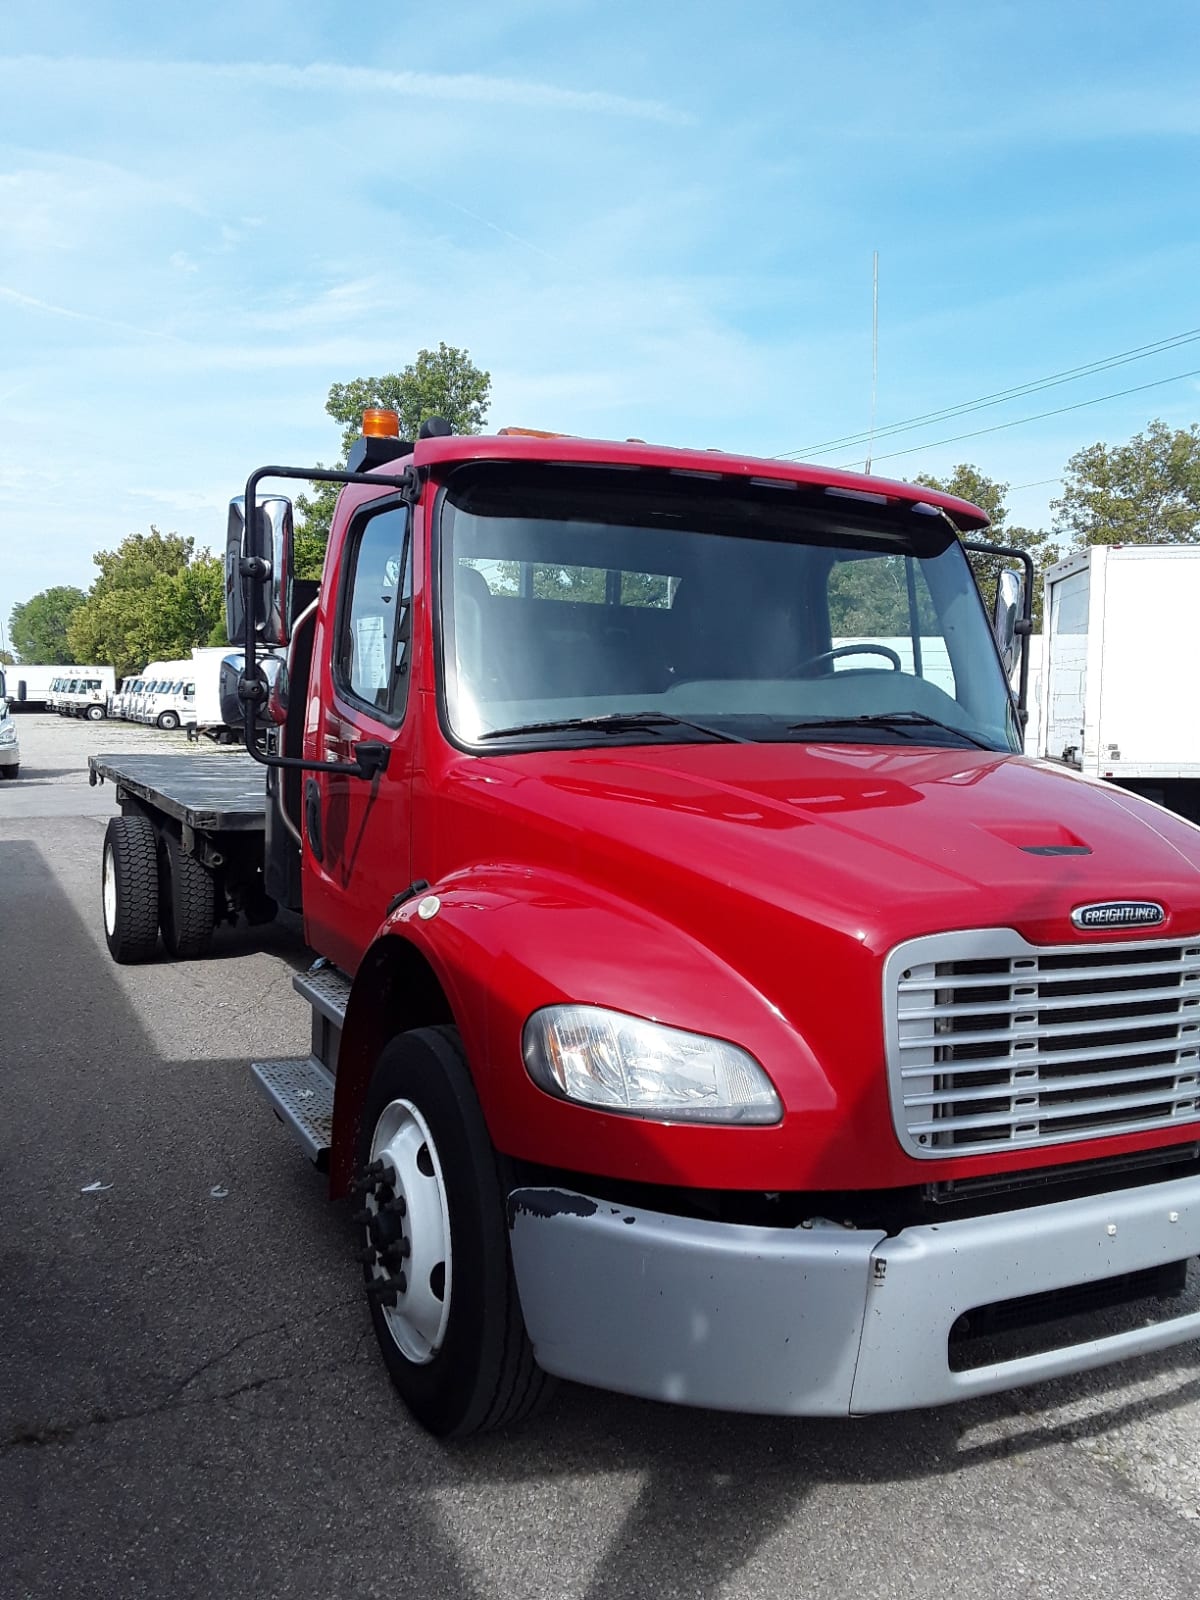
(849, 650)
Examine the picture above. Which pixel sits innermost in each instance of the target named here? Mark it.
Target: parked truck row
(710, 1000)
(183, 693)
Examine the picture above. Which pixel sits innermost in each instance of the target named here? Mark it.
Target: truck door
(356, 830)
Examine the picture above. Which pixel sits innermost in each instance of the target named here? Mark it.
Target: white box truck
(205, 715)
(31, 686)
(1119, 669)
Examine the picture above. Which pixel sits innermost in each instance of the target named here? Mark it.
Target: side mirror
(233, 675)
(270, 542)
(1006, 614)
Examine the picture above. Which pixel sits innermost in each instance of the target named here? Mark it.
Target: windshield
(602, 605)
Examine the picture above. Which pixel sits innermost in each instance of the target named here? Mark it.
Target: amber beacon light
(380, 424)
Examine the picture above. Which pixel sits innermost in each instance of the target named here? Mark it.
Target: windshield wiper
(899, 721)
(616, 722)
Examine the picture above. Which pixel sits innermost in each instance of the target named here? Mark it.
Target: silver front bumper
(822, 1321)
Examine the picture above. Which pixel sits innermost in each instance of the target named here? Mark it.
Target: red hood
(880, 843)
(763, 885)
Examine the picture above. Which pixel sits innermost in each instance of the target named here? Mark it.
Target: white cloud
(177, 499)
(325, 78)
(33, 303)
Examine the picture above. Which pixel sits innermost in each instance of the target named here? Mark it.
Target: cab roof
(567, 451)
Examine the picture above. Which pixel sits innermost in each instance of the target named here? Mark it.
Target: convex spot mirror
(233, 670)
(270, 541)
(1006, 614)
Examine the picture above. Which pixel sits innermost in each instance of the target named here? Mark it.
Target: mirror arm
(253, 569)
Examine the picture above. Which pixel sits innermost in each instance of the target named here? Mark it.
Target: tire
(187, 902)
(10, 772)
(460, 1358)
(95, 713)
(129, 889)
(169, 719)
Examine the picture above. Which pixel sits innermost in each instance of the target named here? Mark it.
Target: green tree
(154, 599)
(968, 483)
(440, 383)
(1143, 492)
(38, 627)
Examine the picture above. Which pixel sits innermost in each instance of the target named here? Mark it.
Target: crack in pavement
(60, 1433)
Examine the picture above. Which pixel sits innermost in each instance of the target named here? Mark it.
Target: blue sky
(643, 219)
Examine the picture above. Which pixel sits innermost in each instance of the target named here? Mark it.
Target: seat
(472, 603)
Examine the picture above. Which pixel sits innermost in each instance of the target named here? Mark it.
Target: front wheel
(438, 1273)
(95, 713)
(169, 719)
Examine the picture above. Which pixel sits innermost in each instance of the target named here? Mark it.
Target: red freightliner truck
(711, 1001)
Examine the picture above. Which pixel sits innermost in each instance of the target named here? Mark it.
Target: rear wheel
(129, 889)
(187, 902)
(439, 1278)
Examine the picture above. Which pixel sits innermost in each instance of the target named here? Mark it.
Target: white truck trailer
(1119, 669)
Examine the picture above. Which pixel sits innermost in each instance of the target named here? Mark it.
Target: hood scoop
(1039, 838)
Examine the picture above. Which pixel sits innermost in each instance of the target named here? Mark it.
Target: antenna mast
(874, 352)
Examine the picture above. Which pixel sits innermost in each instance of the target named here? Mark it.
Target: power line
(1122, 358)
(998, 427)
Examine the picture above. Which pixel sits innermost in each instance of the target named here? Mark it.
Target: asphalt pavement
(191, 1403)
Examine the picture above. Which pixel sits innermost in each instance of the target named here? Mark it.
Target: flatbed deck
(217, 792)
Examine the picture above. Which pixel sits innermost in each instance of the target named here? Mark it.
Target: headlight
(618, 1063)
(8, 734)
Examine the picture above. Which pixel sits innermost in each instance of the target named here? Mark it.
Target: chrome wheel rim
(109, 889)
(408, 1233)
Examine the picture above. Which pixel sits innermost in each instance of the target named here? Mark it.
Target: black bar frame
(251, 692)
(1025, 623)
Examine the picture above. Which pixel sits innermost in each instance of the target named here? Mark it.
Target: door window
(373, 629)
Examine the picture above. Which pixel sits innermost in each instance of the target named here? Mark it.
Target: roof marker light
(531, 433)
(857, 494)
(380, 424)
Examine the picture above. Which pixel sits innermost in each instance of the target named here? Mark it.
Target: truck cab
(90, 699)
(170, 702)
(711, 1002)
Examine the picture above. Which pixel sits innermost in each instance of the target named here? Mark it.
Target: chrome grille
(996, 1044)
